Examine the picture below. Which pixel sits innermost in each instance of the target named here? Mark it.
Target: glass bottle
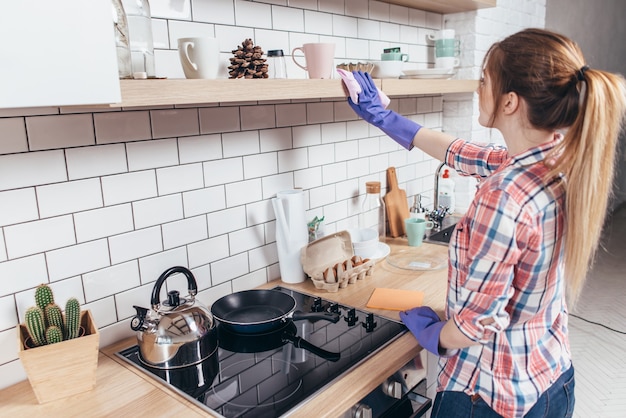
(122, 46)
(276, 63)
(372, 213)
(140, 34)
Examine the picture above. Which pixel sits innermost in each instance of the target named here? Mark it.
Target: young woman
(524, 245)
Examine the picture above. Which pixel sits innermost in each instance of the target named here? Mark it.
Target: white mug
(442, 34)
(447, 62)
(200, 57)
(319, 57)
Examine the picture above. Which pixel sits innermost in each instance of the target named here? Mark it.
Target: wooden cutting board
(396, 205)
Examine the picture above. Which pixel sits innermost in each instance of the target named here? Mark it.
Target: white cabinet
(57, 53)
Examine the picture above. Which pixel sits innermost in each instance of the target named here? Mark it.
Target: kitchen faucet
(438, 213)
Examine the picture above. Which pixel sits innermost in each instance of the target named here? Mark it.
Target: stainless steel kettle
(177, 332)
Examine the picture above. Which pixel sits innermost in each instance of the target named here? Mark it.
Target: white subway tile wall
(99, 203)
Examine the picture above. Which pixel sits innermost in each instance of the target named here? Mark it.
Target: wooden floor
(599, 354)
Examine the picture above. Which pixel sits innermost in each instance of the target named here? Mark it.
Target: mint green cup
(416, 229)
(446, 48)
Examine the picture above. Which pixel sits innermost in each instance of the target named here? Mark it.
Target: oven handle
(419, 404)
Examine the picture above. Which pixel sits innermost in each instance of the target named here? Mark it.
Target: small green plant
(45, 322)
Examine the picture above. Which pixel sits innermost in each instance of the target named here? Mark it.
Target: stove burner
(227, 393)
(269, 375)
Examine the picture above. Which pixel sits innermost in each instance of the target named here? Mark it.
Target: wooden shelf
(443, 7)
(188, 92)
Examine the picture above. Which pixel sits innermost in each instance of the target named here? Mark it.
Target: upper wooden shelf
(443, 7)
(188, 92)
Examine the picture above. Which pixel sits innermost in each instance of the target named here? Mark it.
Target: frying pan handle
(299, 342)
(327, 316)
(156, 290)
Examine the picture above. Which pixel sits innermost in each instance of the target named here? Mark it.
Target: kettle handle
(191, 284)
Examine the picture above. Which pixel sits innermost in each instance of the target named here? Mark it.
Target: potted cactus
(59, 351)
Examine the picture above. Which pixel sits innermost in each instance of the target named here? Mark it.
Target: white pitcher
(291, 233)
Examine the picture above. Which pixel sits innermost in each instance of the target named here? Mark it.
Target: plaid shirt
(506, 271)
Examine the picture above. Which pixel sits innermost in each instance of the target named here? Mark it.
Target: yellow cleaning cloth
(395, 299)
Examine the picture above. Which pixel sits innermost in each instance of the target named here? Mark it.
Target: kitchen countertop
(122, 390)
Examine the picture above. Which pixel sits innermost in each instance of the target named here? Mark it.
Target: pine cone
(248, 61)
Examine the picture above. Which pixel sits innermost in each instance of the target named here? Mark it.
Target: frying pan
(255, 343)
(261, 310)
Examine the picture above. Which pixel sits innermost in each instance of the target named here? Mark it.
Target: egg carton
(331, 264)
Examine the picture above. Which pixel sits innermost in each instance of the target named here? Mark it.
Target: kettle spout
(138, 323)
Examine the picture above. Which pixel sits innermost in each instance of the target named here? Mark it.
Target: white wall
(98, 203)
(598, 28)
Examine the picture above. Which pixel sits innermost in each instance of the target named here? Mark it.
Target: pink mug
(320, 59)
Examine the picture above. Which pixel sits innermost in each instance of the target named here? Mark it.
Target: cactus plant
(43, 296)
(53, 334)
(54, 317)
(45, 322)
(72, 318)
(36, 325)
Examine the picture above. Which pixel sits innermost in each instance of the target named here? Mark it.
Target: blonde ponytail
(587, 158)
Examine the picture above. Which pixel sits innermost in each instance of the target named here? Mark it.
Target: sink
(441, 237)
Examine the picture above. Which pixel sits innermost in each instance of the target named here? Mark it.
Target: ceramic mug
(200, 57)
(394, 56)
(319, 57)
(415, 230)
(446, 45)
(447, 62)
(387, 69)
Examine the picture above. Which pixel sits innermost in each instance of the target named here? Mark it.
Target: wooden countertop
(123, 391)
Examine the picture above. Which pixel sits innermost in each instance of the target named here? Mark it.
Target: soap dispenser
(446, 191)
(417, 211)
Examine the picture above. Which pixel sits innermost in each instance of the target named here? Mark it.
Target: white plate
(382, 252)
(429, 73)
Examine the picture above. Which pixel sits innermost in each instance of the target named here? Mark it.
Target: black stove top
(267, 376)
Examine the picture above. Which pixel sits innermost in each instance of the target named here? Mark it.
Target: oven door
(401, 395)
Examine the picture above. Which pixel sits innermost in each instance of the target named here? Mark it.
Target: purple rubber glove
(370, 108)
(426, 326)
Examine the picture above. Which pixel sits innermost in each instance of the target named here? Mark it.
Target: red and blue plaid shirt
(506, 271)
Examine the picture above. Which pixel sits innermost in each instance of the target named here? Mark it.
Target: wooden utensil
(396, 205)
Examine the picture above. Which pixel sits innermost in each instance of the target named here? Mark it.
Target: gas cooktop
(266, 376)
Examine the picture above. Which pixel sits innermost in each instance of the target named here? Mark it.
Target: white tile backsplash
(64, 131)
(185, 231)
(195, 149)
(191, 185)
(13, 135)
(260, 165)
(111, 280)
(227, 220)
(129, 187)
(157, 211)
(179, 178)
(73, 196)
(18, 206)
(205, 251)
(96, 161)
(135, 244)
(143, 155)
(39, 236)
(77, 259)
(17, 170)
(22, 273)
(205, 200)
(174, 122)
(8, 313)
(104, 222)
(243, 192)
(122, 126)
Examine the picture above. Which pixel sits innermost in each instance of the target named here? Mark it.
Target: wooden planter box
(63, 369)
